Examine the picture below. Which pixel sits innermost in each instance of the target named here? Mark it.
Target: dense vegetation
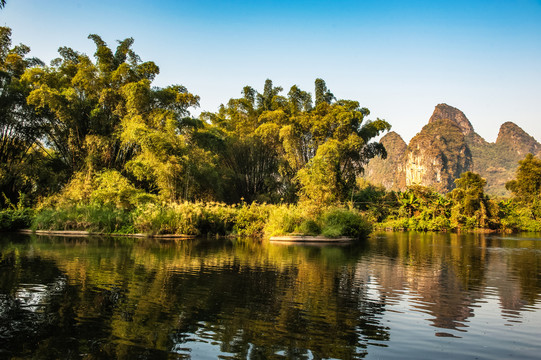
(467, 207)
(90, 144)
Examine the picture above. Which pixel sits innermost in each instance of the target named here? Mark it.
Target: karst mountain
(445, 148)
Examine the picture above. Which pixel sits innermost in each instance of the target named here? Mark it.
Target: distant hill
(389, 172)
(446, 147)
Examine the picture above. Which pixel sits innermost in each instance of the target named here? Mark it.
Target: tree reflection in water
(123, 298)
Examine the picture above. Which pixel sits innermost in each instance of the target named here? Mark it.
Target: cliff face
(445, 148)
(446, 112)
(512, 138)
(437, 156)
(498, 162)
(389, 172)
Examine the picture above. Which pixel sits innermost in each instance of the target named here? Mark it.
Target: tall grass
(330, 222)
(92, 218)
(205, 219)
(186, 218)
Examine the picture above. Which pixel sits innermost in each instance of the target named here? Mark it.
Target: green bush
(186, 218)
(440, 223)
(309, 227)
(15, 219)
(342, 222)
(251, 219)
(93, 218)
(283, 220)
(204, 219)
(107, 188)
(332, 231)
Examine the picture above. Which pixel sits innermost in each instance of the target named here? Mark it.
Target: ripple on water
(402, 296)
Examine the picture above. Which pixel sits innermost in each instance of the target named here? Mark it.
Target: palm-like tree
(409, 202)
(442, 206)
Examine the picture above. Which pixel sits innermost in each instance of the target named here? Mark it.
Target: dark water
(397, 295)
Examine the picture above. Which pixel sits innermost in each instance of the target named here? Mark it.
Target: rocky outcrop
(389, 172)
(512, 138)
(497, 162)
(445, 148)
(437, 156)
(446, 112)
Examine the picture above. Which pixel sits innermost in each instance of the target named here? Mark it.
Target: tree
(156, 123)
(527, 185)
(278, 144)
(470, 201)
(20, 127)
(105, 114)
(323, 95)
(82, 102)
(247, 129)
(340, 137)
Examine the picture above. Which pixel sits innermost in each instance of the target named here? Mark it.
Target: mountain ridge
(447, 146)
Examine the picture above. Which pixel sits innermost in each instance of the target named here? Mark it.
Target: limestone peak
(514, 138)
(447, 112)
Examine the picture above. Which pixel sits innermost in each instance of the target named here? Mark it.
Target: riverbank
(187, 219)
(88, 233)
(184, 220)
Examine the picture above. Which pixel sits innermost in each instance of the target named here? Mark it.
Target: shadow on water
(101, 298)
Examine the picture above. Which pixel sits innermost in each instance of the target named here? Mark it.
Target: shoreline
(310, 239)
(82, 233)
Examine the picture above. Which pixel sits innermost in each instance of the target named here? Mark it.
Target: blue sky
(397, 58)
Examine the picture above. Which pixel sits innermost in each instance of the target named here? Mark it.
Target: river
(392, 296)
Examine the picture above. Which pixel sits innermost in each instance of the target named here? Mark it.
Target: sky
(397, 58)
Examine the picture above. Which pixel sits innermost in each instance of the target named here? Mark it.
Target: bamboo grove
(101, 119)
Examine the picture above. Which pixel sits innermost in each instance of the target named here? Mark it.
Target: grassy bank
(200, 219)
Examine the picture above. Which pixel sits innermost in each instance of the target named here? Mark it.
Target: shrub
(91, 218)
(108, 188)
(342, 222)
(15, 219)
(251, 220)
(186, 218)
(309, 227)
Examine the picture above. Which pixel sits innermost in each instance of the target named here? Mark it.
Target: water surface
(395, 295)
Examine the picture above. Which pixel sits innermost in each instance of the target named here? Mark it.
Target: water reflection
(105, 298)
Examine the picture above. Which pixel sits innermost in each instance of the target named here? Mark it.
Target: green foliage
(284, 220)
(82, 102)
(527, 184)
(101, 115)
(252, 219)
(15, 219)
(465, 208)
(471, 207)
(154, 124)
(186, 218)
(282, 148)
(344, 222)
(20, 127)
(330, 222)
(309, 227)
(320, 182)
(104, 188)
(92, 218)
